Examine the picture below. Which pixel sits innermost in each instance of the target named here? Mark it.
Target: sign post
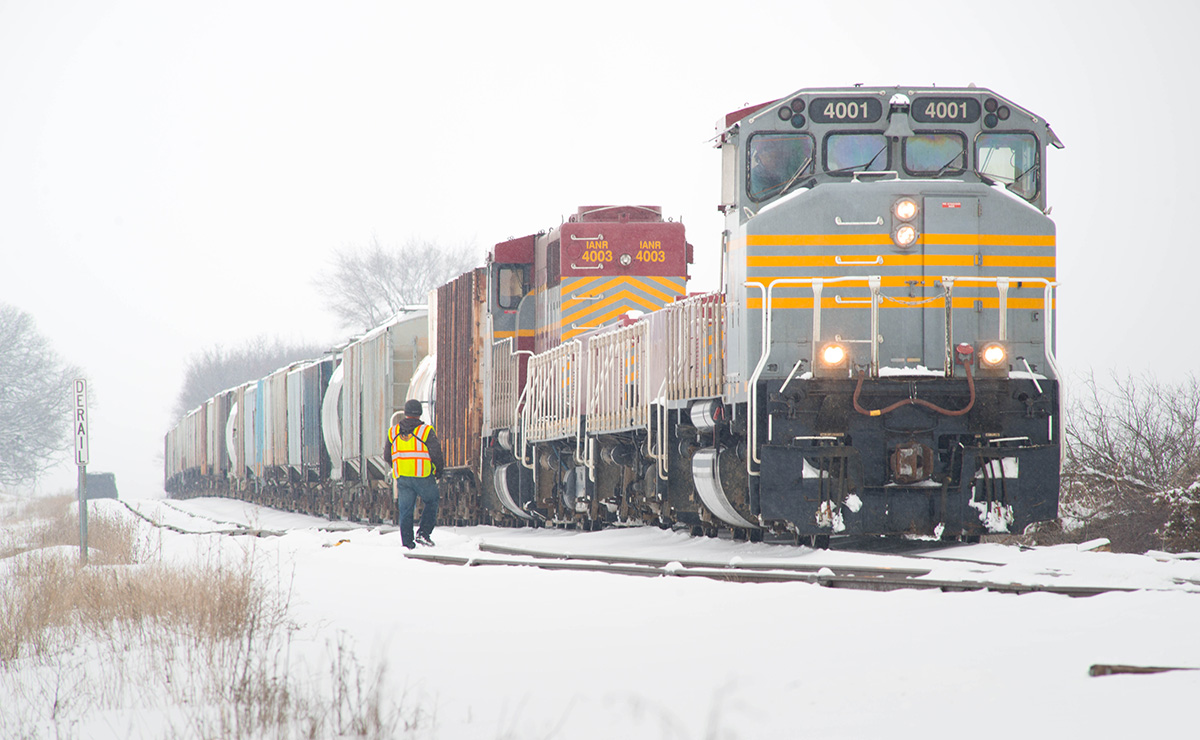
(81, 459)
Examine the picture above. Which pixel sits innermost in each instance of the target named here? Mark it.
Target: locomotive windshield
(776, 161)
(1011, 159)
(805, 140)
(935, 155)
(846, 153)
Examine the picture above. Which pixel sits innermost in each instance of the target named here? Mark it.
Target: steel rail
(849, 580)
(738, 565)
(871, 578)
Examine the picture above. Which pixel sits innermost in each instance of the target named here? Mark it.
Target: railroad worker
(768, 171)
(775, 162)
(417, 463)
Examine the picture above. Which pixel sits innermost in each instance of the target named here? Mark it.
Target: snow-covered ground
(495, 652)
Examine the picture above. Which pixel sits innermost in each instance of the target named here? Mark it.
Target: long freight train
(879, 358)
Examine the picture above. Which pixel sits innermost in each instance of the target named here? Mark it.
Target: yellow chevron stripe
(623, 295)
(666, 297)
(595, 321)
(612, 314)
(577, 284)
(575, 296)
(570, 303)
(586, 308)
(676, 285)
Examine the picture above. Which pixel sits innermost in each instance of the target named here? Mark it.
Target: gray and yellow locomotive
(879, 358)
(890, 271)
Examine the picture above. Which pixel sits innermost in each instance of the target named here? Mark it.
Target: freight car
(879, 358)
(309, 437)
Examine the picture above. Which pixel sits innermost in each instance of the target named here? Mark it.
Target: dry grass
(206, 648)
(53, 521)
(47, 595)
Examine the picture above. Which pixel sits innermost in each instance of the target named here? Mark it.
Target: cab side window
(510, 286)
(1011, 159)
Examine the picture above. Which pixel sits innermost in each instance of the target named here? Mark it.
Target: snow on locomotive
(879, 358)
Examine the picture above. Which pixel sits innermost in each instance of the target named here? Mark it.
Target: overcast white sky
(175, 175)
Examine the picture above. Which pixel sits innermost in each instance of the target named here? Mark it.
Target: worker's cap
(412, 407)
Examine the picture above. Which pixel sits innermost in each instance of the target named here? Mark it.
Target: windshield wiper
(986, 180)
(853, 167)
(943, 167)
(1017, 179)
(867, 166)
(796, 176)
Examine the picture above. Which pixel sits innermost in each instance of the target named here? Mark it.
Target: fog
(177, 175)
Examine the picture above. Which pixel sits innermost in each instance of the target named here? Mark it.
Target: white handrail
(873, 282)
(1002, 285)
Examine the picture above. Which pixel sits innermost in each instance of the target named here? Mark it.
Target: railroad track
(862, 577)
(869, 578)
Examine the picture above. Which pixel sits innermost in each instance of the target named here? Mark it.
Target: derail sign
(80, 422)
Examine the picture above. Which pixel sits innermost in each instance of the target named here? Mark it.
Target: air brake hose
(917, 401)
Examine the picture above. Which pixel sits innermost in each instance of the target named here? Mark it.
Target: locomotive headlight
(833, 354)
(905, 236)
(833, 361)
(905, 209)
(626, 260)
(993, 359)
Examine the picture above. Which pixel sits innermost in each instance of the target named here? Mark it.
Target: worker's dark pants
(408, 490)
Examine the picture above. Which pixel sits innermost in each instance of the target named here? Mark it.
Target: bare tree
(216, 368)
(365, 287)
(1182, 530)
(1131, 461)
(35, 400)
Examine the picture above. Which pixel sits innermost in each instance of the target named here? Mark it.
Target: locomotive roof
(752, 112)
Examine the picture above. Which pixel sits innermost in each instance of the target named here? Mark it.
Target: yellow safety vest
(410, 455)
